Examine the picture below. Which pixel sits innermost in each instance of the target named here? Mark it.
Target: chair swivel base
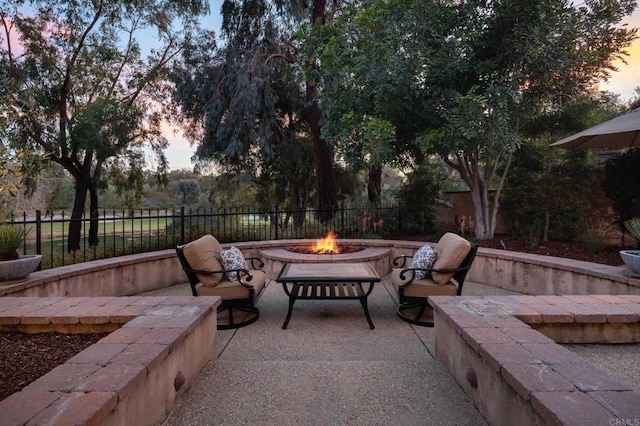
(237, 316)
(416, 313)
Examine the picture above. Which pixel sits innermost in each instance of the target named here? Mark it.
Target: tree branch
(125, 58)
(66, 85)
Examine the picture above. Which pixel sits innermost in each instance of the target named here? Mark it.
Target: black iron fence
(128, 232)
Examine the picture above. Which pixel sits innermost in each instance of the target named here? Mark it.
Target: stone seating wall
(521, 272)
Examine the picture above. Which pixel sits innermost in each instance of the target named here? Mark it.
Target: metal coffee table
(323, 281)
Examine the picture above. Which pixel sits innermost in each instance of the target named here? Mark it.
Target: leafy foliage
(251, 101)
(418, 200)
(547, 191)
(622, 183)
(80, 92)
(633, 226)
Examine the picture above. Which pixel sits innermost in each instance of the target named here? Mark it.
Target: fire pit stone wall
(275, 258)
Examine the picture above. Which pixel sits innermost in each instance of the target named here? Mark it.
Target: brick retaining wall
(503, 352)
(132, 376)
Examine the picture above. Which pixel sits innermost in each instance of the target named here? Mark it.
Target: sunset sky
(628, 77)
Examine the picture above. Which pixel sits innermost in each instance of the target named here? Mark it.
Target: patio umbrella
(619, 132)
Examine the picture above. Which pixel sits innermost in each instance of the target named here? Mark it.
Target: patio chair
(213, 271)
(444, 275)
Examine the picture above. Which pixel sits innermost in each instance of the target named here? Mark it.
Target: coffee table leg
(292, 300)
(363, 302)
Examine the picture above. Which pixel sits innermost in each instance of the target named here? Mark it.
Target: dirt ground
(570, 249)
(24, 358)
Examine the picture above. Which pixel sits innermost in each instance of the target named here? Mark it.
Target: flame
(326, 245)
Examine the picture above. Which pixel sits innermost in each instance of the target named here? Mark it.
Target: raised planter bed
(132, 376)
(503, 352)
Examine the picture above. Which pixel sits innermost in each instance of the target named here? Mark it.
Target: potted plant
(631, 258)
(12, 265)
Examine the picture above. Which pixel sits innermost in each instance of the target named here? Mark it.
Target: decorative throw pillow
(425, 257)
(232, 259)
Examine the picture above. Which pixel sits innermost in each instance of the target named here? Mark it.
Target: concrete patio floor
(326, 368)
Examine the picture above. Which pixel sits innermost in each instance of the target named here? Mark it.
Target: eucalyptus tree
(250, 96)
(244, 100)
(82, 92)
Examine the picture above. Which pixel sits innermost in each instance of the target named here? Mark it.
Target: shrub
(622, 184)
(547, 191)
(596, 236)
(11, 237)
(418, 200)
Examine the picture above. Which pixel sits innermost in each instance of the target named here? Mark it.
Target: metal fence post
(38, 232)
(182, 225)
(277, 219)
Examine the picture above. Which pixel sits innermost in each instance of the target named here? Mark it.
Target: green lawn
(55, 230)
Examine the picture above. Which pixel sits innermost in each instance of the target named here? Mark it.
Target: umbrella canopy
(619, 132)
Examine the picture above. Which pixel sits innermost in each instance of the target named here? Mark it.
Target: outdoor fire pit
(326, 246)
(326, 250)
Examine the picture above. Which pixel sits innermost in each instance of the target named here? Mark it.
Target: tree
(548, 189)
(190, 189)
(482, 69)
(83, 95)
(622, 184)
(369, 67)
(505, 62)
(253, 99)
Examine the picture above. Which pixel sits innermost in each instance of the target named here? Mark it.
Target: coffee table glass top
(301, 272)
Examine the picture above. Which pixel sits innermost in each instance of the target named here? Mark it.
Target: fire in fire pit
(327, 245)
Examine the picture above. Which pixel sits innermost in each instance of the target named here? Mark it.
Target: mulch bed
(26, 357)
(609, 255)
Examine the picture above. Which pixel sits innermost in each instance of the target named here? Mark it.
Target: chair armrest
(198, 271)
(244, 276)
(254, 261)
(404, 271)
(401, 260)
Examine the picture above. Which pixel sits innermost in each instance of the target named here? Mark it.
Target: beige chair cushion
(422, 288)
(202, 254)
(233, 289)
(452, 249)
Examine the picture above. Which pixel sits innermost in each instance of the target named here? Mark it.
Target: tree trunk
(324, 151)
(374, 186)
(496, 197)
(480, 210)
(93, 214)
(298, 207)
(75, 226)
(547, 222)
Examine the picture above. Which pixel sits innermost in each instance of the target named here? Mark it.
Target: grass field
(58, 229)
